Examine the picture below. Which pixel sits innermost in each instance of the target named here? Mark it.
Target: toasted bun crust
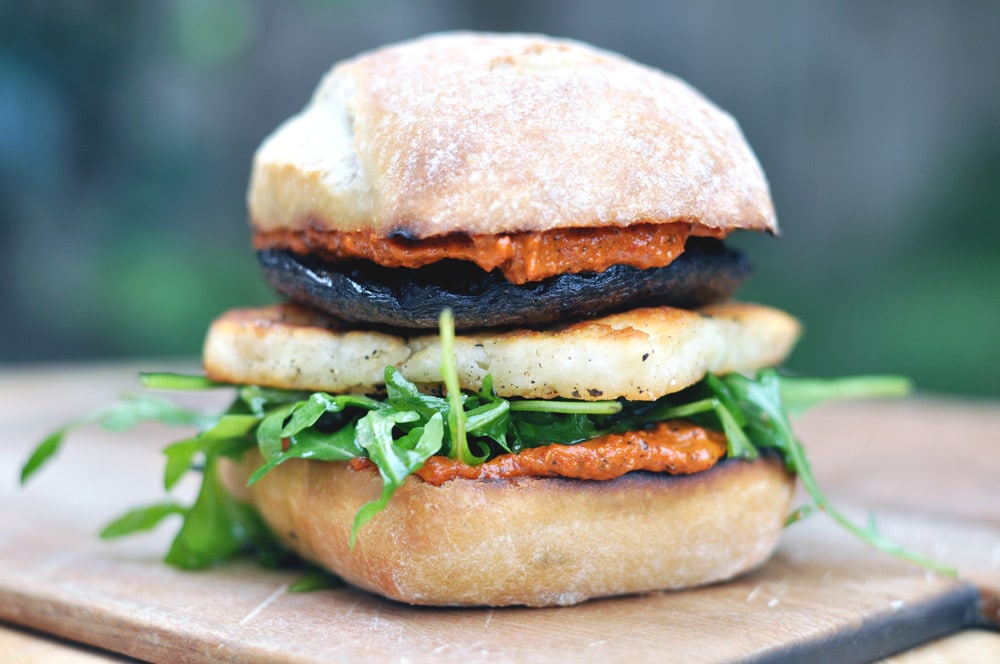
(486, 134)
(536, 541)
(639, 355)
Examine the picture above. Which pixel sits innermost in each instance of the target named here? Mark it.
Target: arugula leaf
(730, 419)
(227, 437)
(180, 459)
(533, 423)
(490, 420)
(307, 413)
(135, 409)
(141, 519)
(395, 460)
(533, 429)
(738, 443)
(123, 414)
(311, 444)
(801, 512)
(799, 394)
(257, 400)
(566, 407)
(44, 451)
(217, 527)
(317, 579)
(456, 411)
(770, 427)
(166, 380)
(269, 431)
(403, 395)
(727, 400)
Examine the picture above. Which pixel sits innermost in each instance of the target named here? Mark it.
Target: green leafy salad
(401, 430)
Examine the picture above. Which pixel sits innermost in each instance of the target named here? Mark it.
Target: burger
(568, 207)
(506, 368)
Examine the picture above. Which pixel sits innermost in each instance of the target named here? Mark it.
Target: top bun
(484, 134)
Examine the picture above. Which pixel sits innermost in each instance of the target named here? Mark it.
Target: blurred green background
(127, 129)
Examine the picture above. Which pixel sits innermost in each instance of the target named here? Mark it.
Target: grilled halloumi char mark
(638, 355)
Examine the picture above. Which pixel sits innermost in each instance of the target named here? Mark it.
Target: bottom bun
(531, 541)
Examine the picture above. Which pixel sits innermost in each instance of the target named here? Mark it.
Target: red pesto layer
(676, 447)
(521, 257)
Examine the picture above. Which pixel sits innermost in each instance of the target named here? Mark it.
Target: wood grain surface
(927, 468)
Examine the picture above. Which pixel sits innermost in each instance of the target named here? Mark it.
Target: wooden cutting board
(927, 467)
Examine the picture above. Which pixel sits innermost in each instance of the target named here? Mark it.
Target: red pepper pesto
(676, 447)
(521, 257)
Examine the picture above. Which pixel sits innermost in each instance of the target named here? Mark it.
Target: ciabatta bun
(487, 134)
(535, 541)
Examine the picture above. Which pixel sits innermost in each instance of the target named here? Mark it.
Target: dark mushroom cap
(363, 292)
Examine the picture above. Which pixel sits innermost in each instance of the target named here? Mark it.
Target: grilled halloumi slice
(640, 354)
